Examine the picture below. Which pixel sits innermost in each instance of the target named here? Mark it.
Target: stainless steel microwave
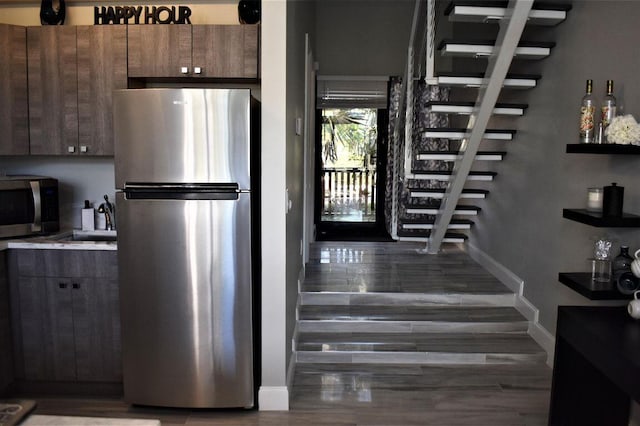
(28, 206)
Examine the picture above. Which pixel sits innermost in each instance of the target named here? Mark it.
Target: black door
(351, 146)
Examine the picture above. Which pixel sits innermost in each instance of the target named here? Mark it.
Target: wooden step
(453, 155)
(466, 108)
(420, 342)
(545, 14)
(459, 134)
(422, 235)
(439, 193)
(460, 210)
(429, 296)
(512, 81)
(485, 48)
(454, 224)
(345, 314)
(445, 175)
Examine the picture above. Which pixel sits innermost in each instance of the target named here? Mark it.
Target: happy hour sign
(125, 15)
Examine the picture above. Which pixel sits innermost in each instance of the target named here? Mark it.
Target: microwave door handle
(37, 206)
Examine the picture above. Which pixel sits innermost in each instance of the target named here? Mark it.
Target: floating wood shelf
(581, 282)
(606, 148)
(596, 219)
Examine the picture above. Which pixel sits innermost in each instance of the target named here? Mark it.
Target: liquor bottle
(587, 113)
(625, 281)
(608, 105)
(622, 262)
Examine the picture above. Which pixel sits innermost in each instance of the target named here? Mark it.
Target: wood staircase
(441, 164)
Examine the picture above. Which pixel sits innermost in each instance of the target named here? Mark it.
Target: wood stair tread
(442, 190)
(476, 42)
(462, 129)
(542, 13)
(453, 237)
(475, 80)
(408, 313)
(449, 172)
(498, 104)
(486, 48)
(419, 342)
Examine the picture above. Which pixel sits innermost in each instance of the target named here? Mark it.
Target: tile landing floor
(361, 291)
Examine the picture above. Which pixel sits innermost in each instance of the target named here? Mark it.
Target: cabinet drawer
(66, 263)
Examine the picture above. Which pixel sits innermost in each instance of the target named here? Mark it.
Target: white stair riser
(467, 110)
(416, 358)
(454, 157)
(406, 299)
(496, 14)
(435, 211)
(475, 82)
(462, 135)
(445, 178)
(438, 195)
(478, 51)
(430, 226)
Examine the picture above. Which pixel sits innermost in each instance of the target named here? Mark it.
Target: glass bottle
(622, 262)
(587, 115)
(608, 106)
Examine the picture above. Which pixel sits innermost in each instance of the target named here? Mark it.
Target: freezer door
(182, 135)
(186, 308)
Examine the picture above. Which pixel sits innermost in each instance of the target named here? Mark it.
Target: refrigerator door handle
(225, 191)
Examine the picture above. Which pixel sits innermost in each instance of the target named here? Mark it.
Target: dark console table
(597, 366)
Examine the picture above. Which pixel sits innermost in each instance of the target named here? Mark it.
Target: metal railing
(347, 191)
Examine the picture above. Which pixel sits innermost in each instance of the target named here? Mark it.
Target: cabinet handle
(71, 149)
(184, 70)
(75, 285)
(62, 285)
(197, 70)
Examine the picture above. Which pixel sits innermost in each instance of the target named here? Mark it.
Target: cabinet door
(46, 328)
(96, 317)
(226, 51)
(53, 89)
(158, 50)
(102, 68)
(14, 113)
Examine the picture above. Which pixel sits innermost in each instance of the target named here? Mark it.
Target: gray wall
(79, 179)
(300, 15)
(362, 37)
(521, 224)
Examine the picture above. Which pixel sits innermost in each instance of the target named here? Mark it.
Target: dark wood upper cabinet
(102, 68)
(14, 110)
(226, 51)
(159, 50)
(203, 51)
(72, 74)
(53, 89)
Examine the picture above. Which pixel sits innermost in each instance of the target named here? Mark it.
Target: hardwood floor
(388, 336)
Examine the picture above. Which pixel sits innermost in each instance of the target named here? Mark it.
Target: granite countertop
(65, 240)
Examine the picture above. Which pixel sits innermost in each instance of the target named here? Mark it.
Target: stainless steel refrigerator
(185, 211)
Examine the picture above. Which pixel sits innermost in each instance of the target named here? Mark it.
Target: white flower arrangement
(623, 130)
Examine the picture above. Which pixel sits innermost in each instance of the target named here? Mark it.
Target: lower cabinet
(68, 319)
(6, 357)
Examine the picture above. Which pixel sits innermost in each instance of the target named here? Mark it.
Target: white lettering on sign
(110, 15)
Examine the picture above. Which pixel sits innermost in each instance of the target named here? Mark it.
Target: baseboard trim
(516, 284)
(273, 398)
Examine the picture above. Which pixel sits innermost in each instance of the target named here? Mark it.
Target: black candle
(612, 200)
